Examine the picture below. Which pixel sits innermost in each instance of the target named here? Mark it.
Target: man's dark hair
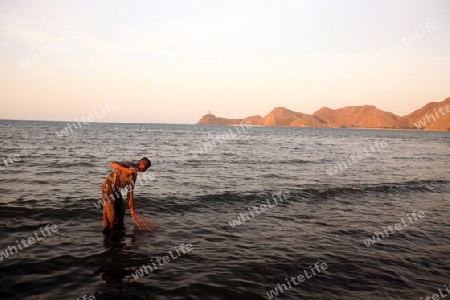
(147, 161)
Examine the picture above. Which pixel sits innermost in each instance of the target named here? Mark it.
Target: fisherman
(123, 176)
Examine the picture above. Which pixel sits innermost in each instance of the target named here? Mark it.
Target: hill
(211, 119)
(281, 116)
(366, 116)
(433, 116)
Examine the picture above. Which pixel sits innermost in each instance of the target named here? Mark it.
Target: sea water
(199, 185)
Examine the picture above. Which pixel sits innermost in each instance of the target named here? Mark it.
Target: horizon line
(209, 112)
(52, 121)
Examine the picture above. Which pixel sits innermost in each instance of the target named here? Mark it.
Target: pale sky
(173, 61)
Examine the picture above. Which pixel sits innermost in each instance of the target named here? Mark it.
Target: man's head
(143, 164)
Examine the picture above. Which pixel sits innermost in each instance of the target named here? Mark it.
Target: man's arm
(130, 198)
(123, 166)
(130, 194)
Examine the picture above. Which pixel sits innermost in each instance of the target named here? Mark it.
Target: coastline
(329, 127)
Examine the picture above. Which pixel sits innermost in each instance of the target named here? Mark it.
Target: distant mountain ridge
(433, 116)
(366, 116)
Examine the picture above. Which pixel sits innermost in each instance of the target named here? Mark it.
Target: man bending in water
(123, 176)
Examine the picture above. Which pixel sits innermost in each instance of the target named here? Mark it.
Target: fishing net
(143, 223)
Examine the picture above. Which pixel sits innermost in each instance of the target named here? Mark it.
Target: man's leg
(119, 210)
(108, 211)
